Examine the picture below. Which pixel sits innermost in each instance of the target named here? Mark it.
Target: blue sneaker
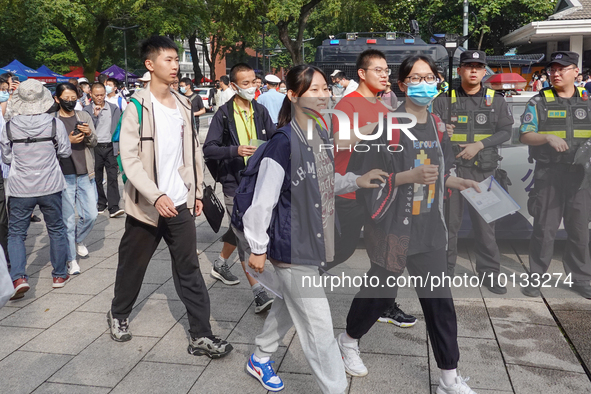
(265, 374)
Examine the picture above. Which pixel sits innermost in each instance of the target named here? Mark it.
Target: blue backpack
(248, 181)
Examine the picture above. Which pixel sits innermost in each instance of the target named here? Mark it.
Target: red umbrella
(78, 72)
(505, 81)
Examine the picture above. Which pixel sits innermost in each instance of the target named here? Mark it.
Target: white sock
(449, 376)
(220, 261)
(260, 360)
(347, 340)
(256, 288)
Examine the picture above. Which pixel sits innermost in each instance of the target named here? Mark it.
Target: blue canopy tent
(19, 68)
(47, 71)
(20, 76)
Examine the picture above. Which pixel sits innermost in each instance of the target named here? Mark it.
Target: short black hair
(365, 57)
(73, 81)
(62, 87)
(238, 68)
(187, 81)
(102, 78)
(259, 76)
(113, 81)
(97, 85)
(151, 46)
(408, 63)
(225, 80)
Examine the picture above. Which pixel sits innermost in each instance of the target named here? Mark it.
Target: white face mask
(247, 94)
(108, 89)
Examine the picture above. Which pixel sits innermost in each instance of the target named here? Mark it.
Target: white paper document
(493, 202)
(268, 279)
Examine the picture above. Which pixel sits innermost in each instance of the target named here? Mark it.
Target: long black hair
(408, 63)
(62, 87)
(298, 80)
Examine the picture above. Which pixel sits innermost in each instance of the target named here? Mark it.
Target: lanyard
(248, 127)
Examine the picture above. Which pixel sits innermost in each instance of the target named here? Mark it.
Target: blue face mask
(338, 85)
(4, 96)
(422, 94)
(183, 89)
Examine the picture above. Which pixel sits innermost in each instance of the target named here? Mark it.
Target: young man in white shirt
(162, 195)
(113, 95)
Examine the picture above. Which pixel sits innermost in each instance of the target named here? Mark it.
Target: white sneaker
(459, 387)
(353, 363)
(81, 250)
(73, 268)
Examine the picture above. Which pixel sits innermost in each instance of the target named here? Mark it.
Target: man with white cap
(272, 99)
(31, 142)
(145, 79)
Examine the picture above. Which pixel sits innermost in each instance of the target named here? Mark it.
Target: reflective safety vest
(472, 125)
(568, 119)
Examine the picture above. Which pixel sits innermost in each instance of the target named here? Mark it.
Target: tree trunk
(480, 41)
(295, 47)
(97, 50)
(210, 56)
(193, 48)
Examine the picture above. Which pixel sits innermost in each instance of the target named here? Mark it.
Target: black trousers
(4, 221)
(138, 244)
(351, 219)
(438, 306)
(104, 160)
(488, 257)
(557, 197)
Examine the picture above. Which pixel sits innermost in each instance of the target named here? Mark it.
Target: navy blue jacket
(296, 232)
(221, 145)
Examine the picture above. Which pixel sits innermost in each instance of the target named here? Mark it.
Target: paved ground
(57, 341)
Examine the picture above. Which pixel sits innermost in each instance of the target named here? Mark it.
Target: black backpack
(31, 140)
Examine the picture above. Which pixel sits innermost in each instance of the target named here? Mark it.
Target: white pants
(310, 313)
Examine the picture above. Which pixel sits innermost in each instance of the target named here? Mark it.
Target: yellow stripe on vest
(582, 133)
(560, 134)
(549, 95)
(478, 137)
(459, 137)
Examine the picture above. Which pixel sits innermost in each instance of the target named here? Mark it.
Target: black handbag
(212, 208)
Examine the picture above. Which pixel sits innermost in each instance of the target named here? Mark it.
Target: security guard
(554, 124)
(480, 121)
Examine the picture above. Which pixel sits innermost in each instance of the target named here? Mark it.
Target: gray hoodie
(34, 167)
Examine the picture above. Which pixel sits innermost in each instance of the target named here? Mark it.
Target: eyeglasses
(380, 71)
(417, 79)
(474, 66)
(561, 71)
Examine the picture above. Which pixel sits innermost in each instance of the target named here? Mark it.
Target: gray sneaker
(119, 328)
(223, 273)
(212, 347)
(262, 302)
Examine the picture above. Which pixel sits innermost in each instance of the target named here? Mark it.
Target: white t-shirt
(169, 131)
(115, 101)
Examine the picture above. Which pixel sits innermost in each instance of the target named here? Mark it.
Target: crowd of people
(292, 201)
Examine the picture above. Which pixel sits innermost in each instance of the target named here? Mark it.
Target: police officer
(480, 121)
(554, 124)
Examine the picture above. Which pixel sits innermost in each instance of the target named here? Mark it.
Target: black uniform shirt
(502, 131)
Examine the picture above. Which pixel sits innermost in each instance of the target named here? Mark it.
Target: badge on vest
(557, 114)
(580, 113)
(481, 119)
(462, 119)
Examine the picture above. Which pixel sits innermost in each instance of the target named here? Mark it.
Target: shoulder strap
(490, 93)
(548, 95)
(8, 132)
(139, 109)
(439, 126)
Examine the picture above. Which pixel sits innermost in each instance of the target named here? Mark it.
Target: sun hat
(31, 98)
